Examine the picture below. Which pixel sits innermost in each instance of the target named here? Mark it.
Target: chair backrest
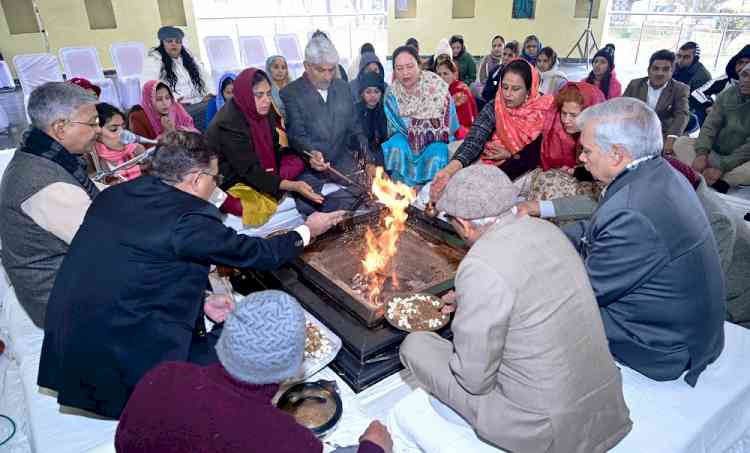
(221, 54)
(128, 58)
(36, 69)
(288, 46)
(254, 51)
(81, 62)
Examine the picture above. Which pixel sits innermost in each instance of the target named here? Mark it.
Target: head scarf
(269, 63)
(219, 99)
(559, 147)
(515, 128)
(428, 110)
(177, 112)
(86, 85)
(531, 58)
(260, 127)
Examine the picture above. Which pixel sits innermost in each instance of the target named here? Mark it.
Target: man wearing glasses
(131, 293)
(46, 191)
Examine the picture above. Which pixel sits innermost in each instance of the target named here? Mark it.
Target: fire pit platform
(370, 345)
(426, 262)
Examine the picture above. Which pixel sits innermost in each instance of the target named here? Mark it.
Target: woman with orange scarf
(507, 132)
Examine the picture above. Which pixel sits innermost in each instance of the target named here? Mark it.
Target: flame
(396, 197)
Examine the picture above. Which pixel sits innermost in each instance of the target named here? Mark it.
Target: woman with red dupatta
(466, 105)
(508, 132)
(159, 113)
(257, 168)
(560, 175)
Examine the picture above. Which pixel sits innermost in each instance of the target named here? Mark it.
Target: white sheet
(668, 417)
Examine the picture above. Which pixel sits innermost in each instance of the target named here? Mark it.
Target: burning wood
(380, 249)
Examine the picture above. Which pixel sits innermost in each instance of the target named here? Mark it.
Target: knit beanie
(607, 52)
(371, 79)
(263, 340)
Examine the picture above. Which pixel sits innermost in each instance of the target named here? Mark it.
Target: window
(101, 15)
(523, 9)
(406, 9)
(172, 12)
(463, 9)
(582, 8)
(20, 16)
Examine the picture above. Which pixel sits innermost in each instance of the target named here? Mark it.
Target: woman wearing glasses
(257, 166)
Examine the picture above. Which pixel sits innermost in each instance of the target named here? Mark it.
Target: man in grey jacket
(648, 249)
(322, 123)
(528, 367)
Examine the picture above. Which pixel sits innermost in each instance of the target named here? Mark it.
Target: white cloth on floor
(668, 417)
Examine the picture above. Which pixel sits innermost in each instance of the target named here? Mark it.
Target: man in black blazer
(131, 291)
(321, 120)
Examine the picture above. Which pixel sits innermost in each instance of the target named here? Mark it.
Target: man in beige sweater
(528, 368)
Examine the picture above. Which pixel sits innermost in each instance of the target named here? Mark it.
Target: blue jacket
(130, 290)
(654, 266)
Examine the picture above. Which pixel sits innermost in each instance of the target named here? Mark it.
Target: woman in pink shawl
(159, 113)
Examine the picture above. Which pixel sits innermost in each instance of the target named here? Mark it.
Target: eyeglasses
(218, 177)
(93, 124)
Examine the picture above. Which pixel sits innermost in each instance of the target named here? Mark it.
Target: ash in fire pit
(422, 262)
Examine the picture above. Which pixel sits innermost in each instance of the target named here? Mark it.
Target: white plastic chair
(84, 62)
(288, 46)
(34, 70)
(6, 78)
(253, 50)
(128, 59)
(221, 56)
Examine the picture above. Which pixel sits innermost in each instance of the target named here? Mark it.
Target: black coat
(653, 263)
(131, 289)
(229, 136)
(331, 126)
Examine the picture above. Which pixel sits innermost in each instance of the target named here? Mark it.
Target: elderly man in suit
(648, 248)
(321, 121)
(528, 367)
(668, 97)
(131, 291)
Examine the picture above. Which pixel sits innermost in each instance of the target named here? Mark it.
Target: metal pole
(640, 37)
(721, 43)
(679, 36)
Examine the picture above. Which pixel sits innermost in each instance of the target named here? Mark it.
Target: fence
(638, 34)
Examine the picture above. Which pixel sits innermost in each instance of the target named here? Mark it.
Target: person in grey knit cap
(226, 407)
(516, 371)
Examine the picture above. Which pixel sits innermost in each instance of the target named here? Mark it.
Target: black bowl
(320, 391)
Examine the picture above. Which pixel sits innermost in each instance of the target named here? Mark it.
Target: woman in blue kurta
(421, 118)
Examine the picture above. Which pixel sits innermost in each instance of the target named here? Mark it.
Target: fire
(396, 197)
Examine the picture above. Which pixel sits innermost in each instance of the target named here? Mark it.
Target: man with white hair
(528, 367)
(321, 120)
(648, 249)
(46, 191)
